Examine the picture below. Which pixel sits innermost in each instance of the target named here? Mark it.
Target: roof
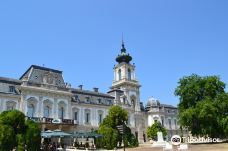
(113, 90)
(153, 102)
(123, 56)
(41, 68)
(88, 92)
(168, 106)
(10, 80)
(10, 93)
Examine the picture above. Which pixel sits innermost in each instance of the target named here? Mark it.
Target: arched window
(61, 112)
(10, 105)
(119, 74)
(129, 74)
(31, 110)
(46, 111)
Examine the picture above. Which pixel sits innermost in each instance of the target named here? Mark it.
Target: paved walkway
(195, 147)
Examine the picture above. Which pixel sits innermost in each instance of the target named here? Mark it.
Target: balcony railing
(52, 121)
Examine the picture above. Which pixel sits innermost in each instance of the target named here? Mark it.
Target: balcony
(35, 119)
(46, 120)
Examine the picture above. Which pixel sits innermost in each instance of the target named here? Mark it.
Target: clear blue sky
(167, 39)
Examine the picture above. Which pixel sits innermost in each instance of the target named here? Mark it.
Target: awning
(55, 133)
(86, 135)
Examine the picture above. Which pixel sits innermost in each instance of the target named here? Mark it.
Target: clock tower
(125, 86)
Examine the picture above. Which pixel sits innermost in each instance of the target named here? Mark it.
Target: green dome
(123, 56)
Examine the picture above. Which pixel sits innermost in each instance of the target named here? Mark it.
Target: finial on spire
(123, 48)
(122, 41)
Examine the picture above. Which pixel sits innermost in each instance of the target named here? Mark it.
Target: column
(55, 108)
(114, 75)
(24, 104)
(69, 116)
(40, 107)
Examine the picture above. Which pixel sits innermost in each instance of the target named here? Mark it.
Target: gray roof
(10, 81)
(168, 106)
(88, 92)
(113, 90)
(41, 68)
(10, 93)
(42, 75)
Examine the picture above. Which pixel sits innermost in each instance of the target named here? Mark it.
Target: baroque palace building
(43, 96)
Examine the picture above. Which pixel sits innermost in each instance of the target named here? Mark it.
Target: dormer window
(11, 89)
(87, 99)
(109, 102)
(76, 97)
(99, 101)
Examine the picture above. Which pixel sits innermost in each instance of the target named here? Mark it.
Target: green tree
(108, 128)
(129, 139)
(110, 137)
(202, 107)
(33, 136)
(7, 138)
(221, 104)
(15, 119)
(20, 142)
(153, 129)
(15, 132)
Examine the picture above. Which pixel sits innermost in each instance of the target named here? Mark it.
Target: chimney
(95, 89)
(80, 87)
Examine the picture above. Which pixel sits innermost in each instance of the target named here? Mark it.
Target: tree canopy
(203, 106)
(154, 128)
(108, 128)
(16, 132)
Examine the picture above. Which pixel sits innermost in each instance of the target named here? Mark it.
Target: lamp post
(121, 129)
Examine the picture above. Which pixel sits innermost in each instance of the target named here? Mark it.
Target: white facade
(42, 95)
(165, 114)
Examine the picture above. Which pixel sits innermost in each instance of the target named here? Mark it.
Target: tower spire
(123, 56)
(123, 48)
(122, 41)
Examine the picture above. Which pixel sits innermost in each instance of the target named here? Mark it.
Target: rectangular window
(61, 113)
(175, 123)
(46, 111)
(162, 121)
(87, 99)
(76, 116)
(100, 118)
(87, 117)
(170, 124)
